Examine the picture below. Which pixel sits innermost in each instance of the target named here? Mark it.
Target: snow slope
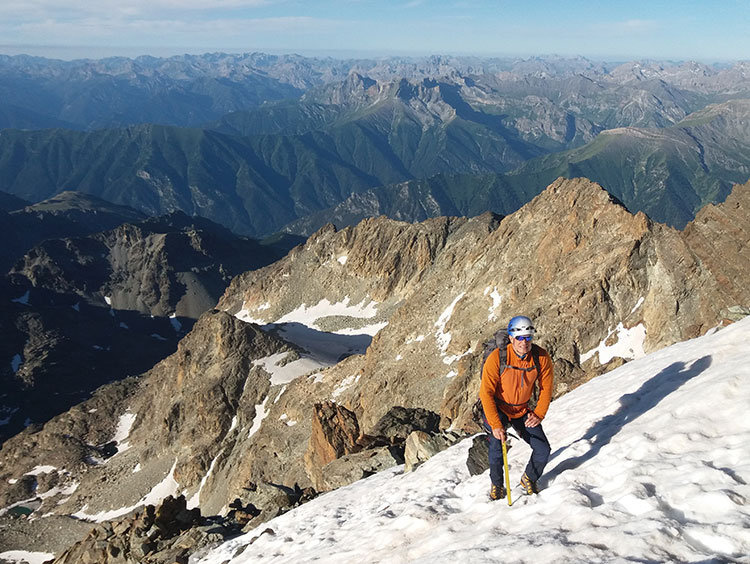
(650, 463)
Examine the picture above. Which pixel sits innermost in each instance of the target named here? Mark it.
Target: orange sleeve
(546, 381)
(490, 389)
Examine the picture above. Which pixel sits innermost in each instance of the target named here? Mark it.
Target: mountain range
(354, 126)
(669, 173)
(190, 90)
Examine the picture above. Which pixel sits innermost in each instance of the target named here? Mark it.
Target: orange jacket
(511, 391)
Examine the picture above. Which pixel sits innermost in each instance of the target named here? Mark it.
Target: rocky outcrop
(400, 422)
(338, 454)
(334, 433)
(167, 534)
(421, 446)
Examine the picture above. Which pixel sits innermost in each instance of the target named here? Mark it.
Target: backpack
(501, 340)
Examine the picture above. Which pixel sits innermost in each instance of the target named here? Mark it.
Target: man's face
(521, 347)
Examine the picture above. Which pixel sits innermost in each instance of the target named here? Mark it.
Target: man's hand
(499, 434)
(532, 419)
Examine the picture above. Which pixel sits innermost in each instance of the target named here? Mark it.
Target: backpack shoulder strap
(535, 386)
(535, 358)
(503, 353)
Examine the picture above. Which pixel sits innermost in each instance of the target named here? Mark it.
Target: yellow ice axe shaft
(507, 476)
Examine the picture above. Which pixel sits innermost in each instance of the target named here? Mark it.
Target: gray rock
(400, 422)
(737, 312)
(477, 461)
(263, 501)
(352, 467)
(421, 446)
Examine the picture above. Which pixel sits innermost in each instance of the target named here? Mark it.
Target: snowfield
(650, 463)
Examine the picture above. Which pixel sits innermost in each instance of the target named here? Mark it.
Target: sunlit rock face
(376, 316)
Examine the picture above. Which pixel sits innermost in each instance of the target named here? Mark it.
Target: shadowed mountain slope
(82, 311)
(668, 173)
(68, 214)
(258, 171)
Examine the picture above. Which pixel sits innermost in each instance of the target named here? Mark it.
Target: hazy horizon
(76, 53)
(705, 31)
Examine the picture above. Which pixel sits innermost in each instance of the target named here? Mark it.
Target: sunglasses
(526, 338)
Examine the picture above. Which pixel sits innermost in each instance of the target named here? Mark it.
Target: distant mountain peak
(357, 80)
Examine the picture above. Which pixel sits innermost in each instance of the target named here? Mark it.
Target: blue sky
(604, 30)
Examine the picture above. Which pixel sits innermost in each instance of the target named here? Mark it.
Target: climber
(505, 395)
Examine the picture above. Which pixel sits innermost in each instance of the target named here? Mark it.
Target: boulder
(352, 467)
(421, 446)
(265, 501)
(399, 422)
(335, 431)
(477, 461)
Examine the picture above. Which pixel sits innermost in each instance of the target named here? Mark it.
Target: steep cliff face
(374, 266)
(201, 406)
(172, 265)
(376, 316)
(82, 311)
(719, 238)
(184, 414)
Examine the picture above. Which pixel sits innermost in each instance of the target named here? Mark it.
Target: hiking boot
(528, 485)
(497, 492)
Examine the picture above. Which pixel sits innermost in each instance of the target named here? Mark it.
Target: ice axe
(507, 476)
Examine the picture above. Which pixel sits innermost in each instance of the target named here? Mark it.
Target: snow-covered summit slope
(650, 463)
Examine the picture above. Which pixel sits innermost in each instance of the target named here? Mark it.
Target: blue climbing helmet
(520, 326)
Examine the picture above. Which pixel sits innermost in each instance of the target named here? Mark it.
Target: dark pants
(534, 436)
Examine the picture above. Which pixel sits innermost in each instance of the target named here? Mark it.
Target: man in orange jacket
(505, 397)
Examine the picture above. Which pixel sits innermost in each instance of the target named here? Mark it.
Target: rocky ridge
(73, 310)
(172, 265)
(236, 404)
(68, 214)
